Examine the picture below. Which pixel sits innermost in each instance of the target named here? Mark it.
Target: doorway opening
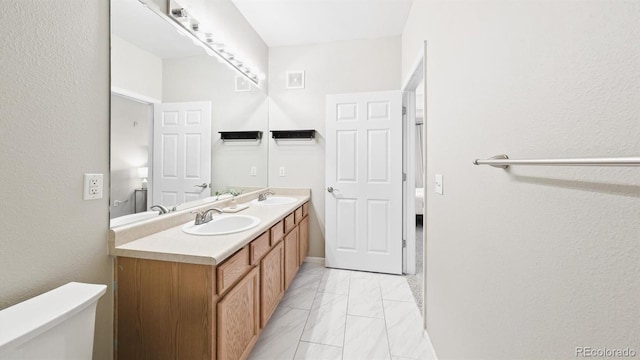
(413, 187)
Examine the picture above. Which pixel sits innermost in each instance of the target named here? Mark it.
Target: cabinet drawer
(233, 269)
(289, 223)
(298, 215)
(277, 232)
(305, 209)
(259, 247)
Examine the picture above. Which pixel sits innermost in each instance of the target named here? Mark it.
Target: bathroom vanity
(181, 296)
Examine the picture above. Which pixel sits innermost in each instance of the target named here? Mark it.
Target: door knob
(330, 189)
(204, 185)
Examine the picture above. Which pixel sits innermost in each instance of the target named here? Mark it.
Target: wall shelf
(240, 135)
(293, 134)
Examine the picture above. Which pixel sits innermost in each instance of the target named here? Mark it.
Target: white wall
(130, 128)
(530, 263)
(203, 78)
(54, 126)
(332, 68)
(135, 70)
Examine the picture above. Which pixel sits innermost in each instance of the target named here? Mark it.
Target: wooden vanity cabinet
(173, 310)
(304, 238)
(271, 282)
(164, 310)
(291, 256)
(239, 319)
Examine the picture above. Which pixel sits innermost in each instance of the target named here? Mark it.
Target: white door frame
(409, 185)
(409, 161)
(418, 75)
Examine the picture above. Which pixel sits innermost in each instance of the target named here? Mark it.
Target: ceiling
(298, 22)
(278, 22)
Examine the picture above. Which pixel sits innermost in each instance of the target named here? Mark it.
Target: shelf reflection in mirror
(169, 102)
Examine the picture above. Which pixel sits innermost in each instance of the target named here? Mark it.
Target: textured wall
(332, 68)
(54, 126)
(531, 262)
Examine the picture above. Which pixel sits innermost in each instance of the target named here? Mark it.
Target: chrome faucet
(162, 209)
(205, 216)
(263, 196)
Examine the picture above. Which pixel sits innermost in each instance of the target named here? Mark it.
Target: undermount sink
(222, 224)
(275, 200)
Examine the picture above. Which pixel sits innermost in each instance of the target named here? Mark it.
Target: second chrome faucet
(205, 216)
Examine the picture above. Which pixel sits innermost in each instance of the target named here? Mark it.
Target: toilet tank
(58, 324)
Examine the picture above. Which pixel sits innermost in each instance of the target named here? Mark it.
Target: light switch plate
(439, 184)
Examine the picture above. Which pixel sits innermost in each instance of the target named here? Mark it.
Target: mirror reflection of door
(181, 152)
(152, 63)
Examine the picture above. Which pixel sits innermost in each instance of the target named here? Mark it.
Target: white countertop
(175, 245)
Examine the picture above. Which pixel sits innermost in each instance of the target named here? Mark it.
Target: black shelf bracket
(293, 134)
(240, 135)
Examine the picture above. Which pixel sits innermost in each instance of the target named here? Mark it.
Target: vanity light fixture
(183, 20)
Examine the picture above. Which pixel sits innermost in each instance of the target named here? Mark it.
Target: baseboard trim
(315, 260)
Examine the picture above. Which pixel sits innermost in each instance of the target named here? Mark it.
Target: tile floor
(329, 314)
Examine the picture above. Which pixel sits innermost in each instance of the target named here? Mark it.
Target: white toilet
(58, 324)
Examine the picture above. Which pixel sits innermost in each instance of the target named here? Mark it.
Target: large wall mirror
(169, 101)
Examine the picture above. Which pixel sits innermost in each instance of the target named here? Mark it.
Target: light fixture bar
(182, 18)
(179, 17)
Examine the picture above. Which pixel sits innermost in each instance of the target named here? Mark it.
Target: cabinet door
(238, 318)
(291, 257)
(304, 239)
(271, 282)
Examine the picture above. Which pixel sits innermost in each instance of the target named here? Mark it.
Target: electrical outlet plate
(93, 186)
(254, 171)
(281, 170)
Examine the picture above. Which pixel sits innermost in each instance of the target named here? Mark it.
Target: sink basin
(222, 224)
(275, 200)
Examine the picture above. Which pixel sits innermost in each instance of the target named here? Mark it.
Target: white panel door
(363, 199)
(181, 152)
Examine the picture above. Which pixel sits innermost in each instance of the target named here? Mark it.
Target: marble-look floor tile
(302, 291)
(335, 281)
(365, 298)
(311, 351)
(326, 321)
(395, 287)
(280, 337)
(405, 331)
(312, 268)
(402, 358)
(365, 339)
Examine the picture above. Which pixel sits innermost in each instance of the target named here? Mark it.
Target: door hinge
(404, 176)
(404, 243)
(404, 110)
